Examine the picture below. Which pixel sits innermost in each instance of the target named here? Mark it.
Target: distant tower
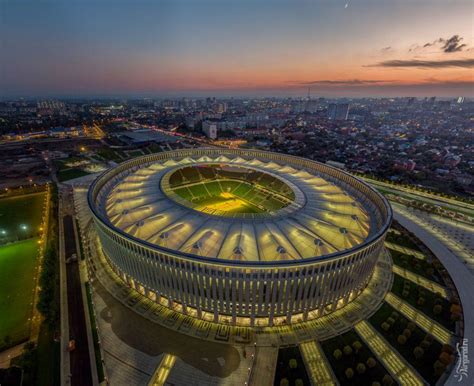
(338, 111)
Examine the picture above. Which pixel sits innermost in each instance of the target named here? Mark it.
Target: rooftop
(316, 217)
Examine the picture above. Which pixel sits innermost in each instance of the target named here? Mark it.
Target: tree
(420, 301)
(299, 382)
(411, 326)
(347, 350)
(418, 352)
(293, 363)
(406, 333)
(356, 345)
(447, 348)
(376, 383)
(337, 354)
(425, 344)
(387, 380)
(439, 367)
(437, 309)
(385, 326)
(429, 338)
(401, 339)
(446, 358)
(349, 373)
(371, 363)
(284, 382)
(360, 368)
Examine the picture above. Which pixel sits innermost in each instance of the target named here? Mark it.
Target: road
(80, 361)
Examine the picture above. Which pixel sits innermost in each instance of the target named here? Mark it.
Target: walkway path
(263, 370)
(320, 371)
(163, 370)
(427, 324)
(421, 281)
(405, 250)
(396, 365)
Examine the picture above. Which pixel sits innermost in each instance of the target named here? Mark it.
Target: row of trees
(48, 301)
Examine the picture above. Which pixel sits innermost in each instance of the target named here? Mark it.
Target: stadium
(242, 237)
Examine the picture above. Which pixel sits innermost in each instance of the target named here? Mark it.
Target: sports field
(230, 196)
(20, 222)
(17, 270)
(20, 217)
(227, 202)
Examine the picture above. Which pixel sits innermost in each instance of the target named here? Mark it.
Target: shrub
(446, 358)
(405, 293)
(376, 383)
(293, 363)
(448, 348)
(401, 339)
(418, 352)
(395, 315)
(437, 309)
(390, 321)
(420, 301)
(406, 333)
(385, 326)
(455, 308)
(371, 363)
(387, 380)
(284, 382)
(299, 382)
(425, 344)
(455, 317)
(439, 367)
(349, 373)
(356, 345)
(360, 368)
(347, 350)
(337, 354)
(429, 338)
(411, 326)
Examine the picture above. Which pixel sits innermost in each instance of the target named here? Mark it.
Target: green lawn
(69, 174)
(18, 212)
(17, 270)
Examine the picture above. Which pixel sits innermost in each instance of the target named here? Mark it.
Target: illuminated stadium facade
(243, 237)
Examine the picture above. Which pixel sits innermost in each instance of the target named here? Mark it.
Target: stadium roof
(327, 219)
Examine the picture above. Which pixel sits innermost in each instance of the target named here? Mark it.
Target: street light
(23, 227)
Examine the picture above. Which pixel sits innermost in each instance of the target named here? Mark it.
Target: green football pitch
(20, 217)
(17, 271)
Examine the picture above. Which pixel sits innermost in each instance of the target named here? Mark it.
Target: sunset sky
(236, 47)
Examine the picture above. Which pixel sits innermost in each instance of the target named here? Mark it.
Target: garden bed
(337, 352)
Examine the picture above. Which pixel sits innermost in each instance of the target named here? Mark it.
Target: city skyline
(334, 49)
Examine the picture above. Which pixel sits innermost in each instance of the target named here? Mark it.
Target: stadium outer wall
(242, 292)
